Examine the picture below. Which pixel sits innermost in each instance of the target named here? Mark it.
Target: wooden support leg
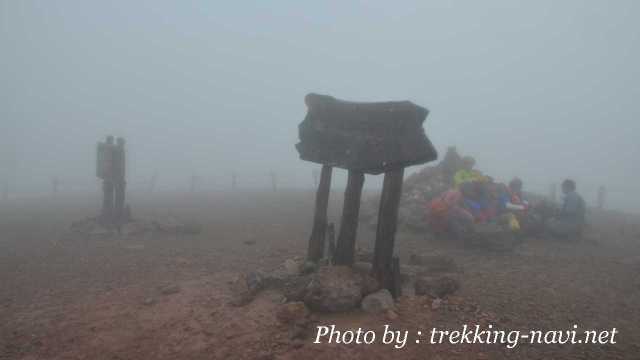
(386, 231)
(345, 249)
(315, 251)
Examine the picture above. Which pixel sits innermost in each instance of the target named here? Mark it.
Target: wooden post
(345, 249)
(315, 251)
(387, 225)
(396, 285)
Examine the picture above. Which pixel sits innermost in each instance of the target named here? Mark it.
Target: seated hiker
(570, 220)
(516, 199)
(510, 197)
(479, 200)
(467, 173)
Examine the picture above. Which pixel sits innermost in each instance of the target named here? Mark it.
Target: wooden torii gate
(363, 138)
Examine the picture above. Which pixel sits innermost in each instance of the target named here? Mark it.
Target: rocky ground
(169, 294)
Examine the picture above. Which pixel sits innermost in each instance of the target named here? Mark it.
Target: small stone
(170, 289)
(291, 267)
(245, 287)
(308, 267)
(380, 301)
(149, 301)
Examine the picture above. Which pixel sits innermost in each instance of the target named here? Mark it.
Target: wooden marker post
(345, 249)
(386, 230)
(316, 241)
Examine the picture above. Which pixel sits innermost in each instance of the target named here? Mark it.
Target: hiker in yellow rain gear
(467, 173)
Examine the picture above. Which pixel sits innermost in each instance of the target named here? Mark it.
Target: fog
(543, 90)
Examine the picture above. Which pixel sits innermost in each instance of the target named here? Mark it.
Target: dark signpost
(363, 138)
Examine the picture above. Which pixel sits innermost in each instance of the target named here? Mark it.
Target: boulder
(170, 289)
(438, 287)
(334, 289)
(378, 302)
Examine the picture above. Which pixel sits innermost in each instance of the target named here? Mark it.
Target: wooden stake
(387, 225)
(396, 277)
(345, 249)
(315, 251)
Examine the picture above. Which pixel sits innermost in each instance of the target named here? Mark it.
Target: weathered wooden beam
(315, 251)
(396, 278)
(345, 249)
(386, 230)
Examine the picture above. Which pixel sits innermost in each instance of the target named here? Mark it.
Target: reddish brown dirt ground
(66, 297)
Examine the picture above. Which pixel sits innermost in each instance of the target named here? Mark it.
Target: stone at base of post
(386, 230)
(315, 251)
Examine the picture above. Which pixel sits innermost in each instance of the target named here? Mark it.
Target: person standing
(104, 171)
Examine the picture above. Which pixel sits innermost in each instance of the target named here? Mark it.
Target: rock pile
(417, 190)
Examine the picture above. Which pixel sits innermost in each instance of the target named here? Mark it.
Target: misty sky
(538, 89)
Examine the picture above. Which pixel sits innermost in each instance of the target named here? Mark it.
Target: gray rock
(378, 302)
(170, 289)
(334, 289)
(438, 287)
(149, 301)
(308, 267)
(245, 287)
(292, 267)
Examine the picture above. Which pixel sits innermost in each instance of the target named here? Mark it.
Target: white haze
(539, 89)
